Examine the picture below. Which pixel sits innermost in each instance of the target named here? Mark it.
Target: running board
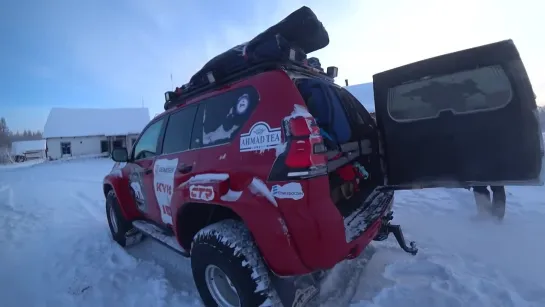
(159, 235)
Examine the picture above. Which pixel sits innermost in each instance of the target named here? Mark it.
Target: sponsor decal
(260, 137)
(292, 190)
(136, 184)
(201, 192)
(137, 191)
(242, 104)
(163, 183)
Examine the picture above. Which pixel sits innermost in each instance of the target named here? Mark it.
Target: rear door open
(460, 119)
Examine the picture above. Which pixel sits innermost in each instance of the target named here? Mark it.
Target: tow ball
(388, 228)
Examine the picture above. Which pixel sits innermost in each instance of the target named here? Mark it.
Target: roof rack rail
(181, 95)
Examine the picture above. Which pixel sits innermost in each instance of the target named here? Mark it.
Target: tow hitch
(388, 228)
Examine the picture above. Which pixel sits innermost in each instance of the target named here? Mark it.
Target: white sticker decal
(137, 191)
(260, 137)
(201, 192)
(163, 183)
(291, 190)
(243, 103)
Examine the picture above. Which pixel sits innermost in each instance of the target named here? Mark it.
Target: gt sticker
(201, 192)
(291, 190)
(260, 137)
(163, 183)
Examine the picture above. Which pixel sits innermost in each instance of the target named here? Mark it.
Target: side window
(146, 146)
(220, 118)
(354, 108)
(481, 89)
(178, 130)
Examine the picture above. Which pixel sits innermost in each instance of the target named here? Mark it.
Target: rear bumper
(320, 233)
(363, 224)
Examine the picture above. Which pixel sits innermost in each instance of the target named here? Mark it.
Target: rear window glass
(481, 89)
(220, 118)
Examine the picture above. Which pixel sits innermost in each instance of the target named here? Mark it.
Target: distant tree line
(7, 136)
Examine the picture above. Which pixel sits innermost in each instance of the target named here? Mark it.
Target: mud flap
(133, 237)
(316, 289)
(298, 291)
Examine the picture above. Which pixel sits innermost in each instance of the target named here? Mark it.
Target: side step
(160, 235)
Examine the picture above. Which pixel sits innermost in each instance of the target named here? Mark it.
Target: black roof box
(287, 41)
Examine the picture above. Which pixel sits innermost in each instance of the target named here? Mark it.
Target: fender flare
(268, 229)
(120, 186)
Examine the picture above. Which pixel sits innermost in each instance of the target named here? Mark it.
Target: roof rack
(181, 95)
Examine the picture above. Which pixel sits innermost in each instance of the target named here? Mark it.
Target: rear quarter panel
(248, 169)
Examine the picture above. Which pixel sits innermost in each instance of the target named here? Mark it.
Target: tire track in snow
(94, 207)
(16, 223)
(463, 262)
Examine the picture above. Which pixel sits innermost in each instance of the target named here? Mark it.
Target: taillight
(304, 155)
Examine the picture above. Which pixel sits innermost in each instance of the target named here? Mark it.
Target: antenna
(171, 82)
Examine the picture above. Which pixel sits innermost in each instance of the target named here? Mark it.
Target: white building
(80, 132)
(365, 94)
(24, 150)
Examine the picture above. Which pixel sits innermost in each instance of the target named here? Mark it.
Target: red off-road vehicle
(266, 173)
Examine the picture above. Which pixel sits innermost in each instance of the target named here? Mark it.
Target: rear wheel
(121, 229)
(227, 267)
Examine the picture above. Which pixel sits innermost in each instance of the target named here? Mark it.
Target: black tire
(123, 226)
(228, 245)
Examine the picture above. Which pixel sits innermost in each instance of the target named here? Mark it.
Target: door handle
(148, 171)
(184, 169)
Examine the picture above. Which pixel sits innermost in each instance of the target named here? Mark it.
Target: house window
(118, 144)
(104, 146)
(66, 148)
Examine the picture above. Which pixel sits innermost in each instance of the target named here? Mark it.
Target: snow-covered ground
(56, 250)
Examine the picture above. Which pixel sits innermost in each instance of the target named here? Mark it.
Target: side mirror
(120, 155)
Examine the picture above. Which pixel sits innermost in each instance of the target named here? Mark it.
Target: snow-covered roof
(66, 122)
(20, 147)
(364, 93)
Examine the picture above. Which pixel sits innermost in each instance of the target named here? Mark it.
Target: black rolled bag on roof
(291, 39)
(300, 31)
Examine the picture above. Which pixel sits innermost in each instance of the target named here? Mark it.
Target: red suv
(266, 173)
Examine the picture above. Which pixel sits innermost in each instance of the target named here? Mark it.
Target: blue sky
(117, 53)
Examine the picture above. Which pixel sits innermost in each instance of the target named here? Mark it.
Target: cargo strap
(348, 152)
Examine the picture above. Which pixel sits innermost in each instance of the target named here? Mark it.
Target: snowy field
(56, 249)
